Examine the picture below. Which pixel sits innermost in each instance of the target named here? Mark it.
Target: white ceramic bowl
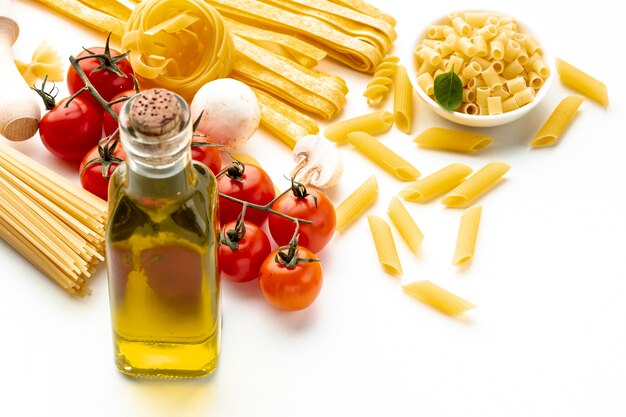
(478, 120)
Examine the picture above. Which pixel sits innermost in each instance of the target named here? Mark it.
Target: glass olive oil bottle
(161, 245)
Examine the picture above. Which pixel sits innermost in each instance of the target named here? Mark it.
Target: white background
(548, 337)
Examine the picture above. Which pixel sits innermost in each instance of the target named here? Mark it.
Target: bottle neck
(156, 133)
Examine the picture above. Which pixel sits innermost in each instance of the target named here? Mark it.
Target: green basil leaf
(449, 90)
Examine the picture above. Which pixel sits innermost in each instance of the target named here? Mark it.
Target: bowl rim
(498, 118)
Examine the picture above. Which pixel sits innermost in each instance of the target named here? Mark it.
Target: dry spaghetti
(52, 222)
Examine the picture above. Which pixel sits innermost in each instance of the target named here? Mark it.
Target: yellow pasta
(372, 123)
(426, 83)
(437, 297)
(288, 124)
(435, 184)
(558, 121)
(378, 87)
(474, 186)
(405, 224)
(385, 245)
(178, 45)
(515, 68)
(524, 96)
(44, 62)
(373, 149)
(582, 82)
(356, 203)
(452, 140)
(516, 84)
(509, 104)
(466, 240)
(487, 55)
(494, 105)
(403, 101)
(470, 108)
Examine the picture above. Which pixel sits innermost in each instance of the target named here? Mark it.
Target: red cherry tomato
(252, 185)
(69, 133)
(108, 83)
(108, 123)
(208, 155)
(243, 263)
(92, 178)
(291, 289)
(301, 203)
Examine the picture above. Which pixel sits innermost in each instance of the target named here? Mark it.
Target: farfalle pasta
(44, 62)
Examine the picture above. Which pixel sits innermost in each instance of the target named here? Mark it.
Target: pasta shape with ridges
(403, 101)
(356, 203)
(558, 121)
(405, 224)
(383, 156)
(583, 82)
(437, 297)
(435, 184)
(452, 140)
(468, 231)
(372, 123)
(380, 84)
(385, 245)
(475, 185)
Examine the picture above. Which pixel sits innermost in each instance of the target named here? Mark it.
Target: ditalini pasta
(437, 297)
(383, 156)
(385, 245)
(356, 203)
(583, 82)
(403, 101)
(452, 140)
(379, 86)
(405, 224)
(435, 184)
(475, 185)
(558, 121)
(494, 53)
(372, 123)
(466, 240)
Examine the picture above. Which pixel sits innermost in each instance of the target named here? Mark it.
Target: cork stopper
(155, 112)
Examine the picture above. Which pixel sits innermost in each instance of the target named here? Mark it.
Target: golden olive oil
(162, 257)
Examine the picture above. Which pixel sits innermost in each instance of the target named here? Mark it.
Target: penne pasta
(405, 224)
(437, 297)
(374, 150)
(466, 239)
(580, 81)
(435, 184)
(558, 121)
(372, 123)
(354, 205)
(474, 186)
(385, 245)
(452, 140)
(403, 101)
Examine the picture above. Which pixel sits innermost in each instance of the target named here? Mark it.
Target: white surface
(480, 120)
(548, 337)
